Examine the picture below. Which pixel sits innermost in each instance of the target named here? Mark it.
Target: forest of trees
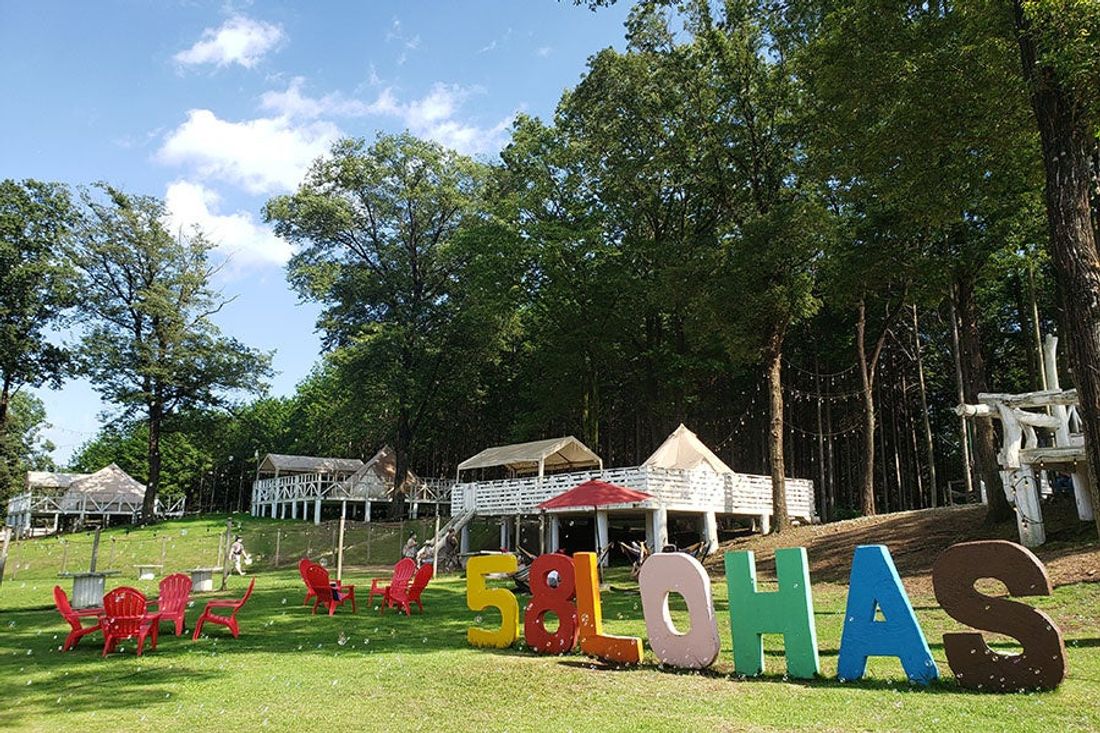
(806, 230)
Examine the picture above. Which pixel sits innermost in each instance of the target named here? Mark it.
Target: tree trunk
(867, 379)
(401, 461)
(1067, 138)
(928, 444)
(152, 485)
(974, 382)
(781, 520)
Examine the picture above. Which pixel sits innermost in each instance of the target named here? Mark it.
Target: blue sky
(215, 107)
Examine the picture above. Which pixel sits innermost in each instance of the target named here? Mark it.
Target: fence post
(370, 531)
(278, 537)
(4, 553)
(64, 555)
(228, 539)
(95, 551)
(401, 538)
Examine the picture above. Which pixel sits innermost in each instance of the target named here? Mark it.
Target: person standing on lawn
(237, 554)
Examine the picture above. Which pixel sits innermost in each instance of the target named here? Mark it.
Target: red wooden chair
(79, 630)
(329, 593)
(403, 596)
(175, 592)
(229, 621)
(402, 574)
(303, 565)
(125, 617)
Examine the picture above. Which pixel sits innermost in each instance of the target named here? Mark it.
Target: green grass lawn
(294, 671)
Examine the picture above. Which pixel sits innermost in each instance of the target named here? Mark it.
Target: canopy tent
(684, 450)
(536, 457)
(594, 493)
(52, 479)
(281, 464)
(374, 479)
(108, 481)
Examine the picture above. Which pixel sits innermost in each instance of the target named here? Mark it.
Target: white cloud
(543, 51)
(292, 103)
(236, 235)
(436, 115)
(239, 40)
(262, 155)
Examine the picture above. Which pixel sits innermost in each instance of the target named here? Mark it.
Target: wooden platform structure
(683, 476)
(298, 487)
(51, 497)
(1027, 453)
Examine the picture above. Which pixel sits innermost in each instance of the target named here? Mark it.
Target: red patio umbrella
(593, 493)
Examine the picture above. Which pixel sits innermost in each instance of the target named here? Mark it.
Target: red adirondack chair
(125, 617)
(79, 630)
(230, 621)
(303, 565)
(175, 592)
(327, 592)
(403, 596)
(402, 574)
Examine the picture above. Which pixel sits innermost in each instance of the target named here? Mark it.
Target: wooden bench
(147, 572)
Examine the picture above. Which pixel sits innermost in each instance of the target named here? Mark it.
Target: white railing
(675, 489)
(53, 503)
(313, 486)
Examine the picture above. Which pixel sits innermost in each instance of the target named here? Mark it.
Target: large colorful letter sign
(1042, 664)
(556, 600)
(676, 572)
(594, 643)
(874, 585)
(478, 598)
(788, 611)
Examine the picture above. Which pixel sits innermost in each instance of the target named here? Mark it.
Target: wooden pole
(340, 552)
(225, 555)
(370, 531)
(95, 551)
(278, 538)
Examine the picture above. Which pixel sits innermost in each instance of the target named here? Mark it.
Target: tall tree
(24, 448)
(35, 289)
(1059, 44)
(396, 242)
(149, 344)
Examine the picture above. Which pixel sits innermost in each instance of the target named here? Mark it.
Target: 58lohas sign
(874, 587)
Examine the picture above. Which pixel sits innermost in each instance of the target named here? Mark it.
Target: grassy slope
(292, 671)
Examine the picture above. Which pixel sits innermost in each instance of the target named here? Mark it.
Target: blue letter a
(875, 585)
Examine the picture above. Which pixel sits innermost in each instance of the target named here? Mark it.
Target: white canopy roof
(52, 479)
(555, 453)
(683, 449)
(281, 463)
(108, 481)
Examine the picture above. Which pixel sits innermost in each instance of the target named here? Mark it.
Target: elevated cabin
(683, 477)
(299, 487)
(51, 497)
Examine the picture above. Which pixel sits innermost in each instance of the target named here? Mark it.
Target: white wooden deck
(23, 507)
(674, 489)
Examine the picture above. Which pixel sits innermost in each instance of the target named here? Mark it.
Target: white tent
(684, 450)
(536, 457)
(52, 480)
(109, 481)
(281, 464)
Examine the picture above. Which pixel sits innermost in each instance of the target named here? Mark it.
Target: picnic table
(202, 579)
(147, 572)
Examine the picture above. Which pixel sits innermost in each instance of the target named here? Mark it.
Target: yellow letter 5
(478, 598)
